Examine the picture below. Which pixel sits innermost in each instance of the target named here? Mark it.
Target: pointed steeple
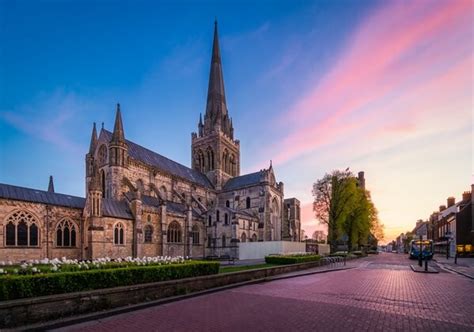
(118, 135)
(51, 184)
(93, 143)
(216, 107)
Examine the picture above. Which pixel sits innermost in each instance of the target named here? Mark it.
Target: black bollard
(426, 265)
(420, 253)
(456, 258)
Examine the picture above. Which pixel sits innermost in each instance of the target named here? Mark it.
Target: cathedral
(140, 203)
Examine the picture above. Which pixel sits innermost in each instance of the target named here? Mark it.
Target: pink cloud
(401, 48)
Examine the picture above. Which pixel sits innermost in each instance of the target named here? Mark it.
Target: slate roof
(243, 181)
(116, 209)
(149, 157)
(40, 196)
(171, 206)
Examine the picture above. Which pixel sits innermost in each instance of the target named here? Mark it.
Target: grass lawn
(227, 269)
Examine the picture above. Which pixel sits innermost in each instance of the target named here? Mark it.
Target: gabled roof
(149, 157)
(40, 196)
(243, 181)
(173, 207)
(116, 209)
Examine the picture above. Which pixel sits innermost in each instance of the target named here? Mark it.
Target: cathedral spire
(51, 184)
(216, 107)
(93, 144)
(118, 135)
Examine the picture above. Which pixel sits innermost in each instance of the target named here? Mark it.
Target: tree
(347, 209)
(333, 199)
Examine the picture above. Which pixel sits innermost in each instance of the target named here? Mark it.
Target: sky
(384, 87)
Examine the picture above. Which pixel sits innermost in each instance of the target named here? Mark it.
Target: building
(421, 229)
(452, 226)
(140, 203)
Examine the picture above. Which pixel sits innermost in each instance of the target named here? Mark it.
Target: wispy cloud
(402, 48)
(49, 119)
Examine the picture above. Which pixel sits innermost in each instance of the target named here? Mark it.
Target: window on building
(243, 237)
(174, 233)
(21, 230)
(217, 216)
(224, 241)
(148, 233)
(236, 201)
(209, 240)
(66, 234)
(148, 218)
(226, 218)
(119, 234)
(210, 221)
(227, 203)
(254, 238)
(195, 234)
(247, 203)
(102, 182)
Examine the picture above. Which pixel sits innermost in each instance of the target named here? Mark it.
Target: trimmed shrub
(291, 259)
(17, 287)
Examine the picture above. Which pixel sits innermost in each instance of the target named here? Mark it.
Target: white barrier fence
(257, 250)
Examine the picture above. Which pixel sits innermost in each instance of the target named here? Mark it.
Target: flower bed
(41, 284)
(292, 258)
(71, 265)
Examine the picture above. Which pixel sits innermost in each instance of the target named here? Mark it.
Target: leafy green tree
(333, 201)
(346, 208)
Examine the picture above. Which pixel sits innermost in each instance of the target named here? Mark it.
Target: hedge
(291, 259)
(23, 286)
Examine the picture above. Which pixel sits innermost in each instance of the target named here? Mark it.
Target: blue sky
(65, 64)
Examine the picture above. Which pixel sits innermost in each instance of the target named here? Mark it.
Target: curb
(458, 272)
(121, 310)
(417, 270)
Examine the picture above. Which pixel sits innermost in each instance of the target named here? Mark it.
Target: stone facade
(139, 203)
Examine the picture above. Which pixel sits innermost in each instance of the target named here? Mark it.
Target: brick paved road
(382, 294)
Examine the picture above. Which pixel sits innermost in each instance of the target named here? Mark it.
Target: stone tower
(214, 150)
(90, 158)
(118, 157)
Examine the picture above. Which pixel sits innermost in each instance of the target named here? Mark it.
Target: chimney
(442, 208)
(466, 196)
(361, 180)
(451, 201)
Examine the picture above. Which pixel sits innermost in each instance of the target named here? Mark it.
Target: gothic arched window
(247, 203)
(232, 167)
(217, 216)
(119, 238)
(174, 233)
(21, 230)
(66, 232)
(210, 221)
(195, 234)
(243, 237)
(102, 182)
(148, 232)
(210, 159)
(227, 203)
(226, 218)
(254, 238)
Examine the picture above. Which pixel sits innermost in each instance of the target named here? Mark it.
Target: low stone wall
(28, 311)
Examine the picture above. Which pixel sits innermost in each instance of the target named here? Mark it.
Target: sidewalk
(464, 266)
